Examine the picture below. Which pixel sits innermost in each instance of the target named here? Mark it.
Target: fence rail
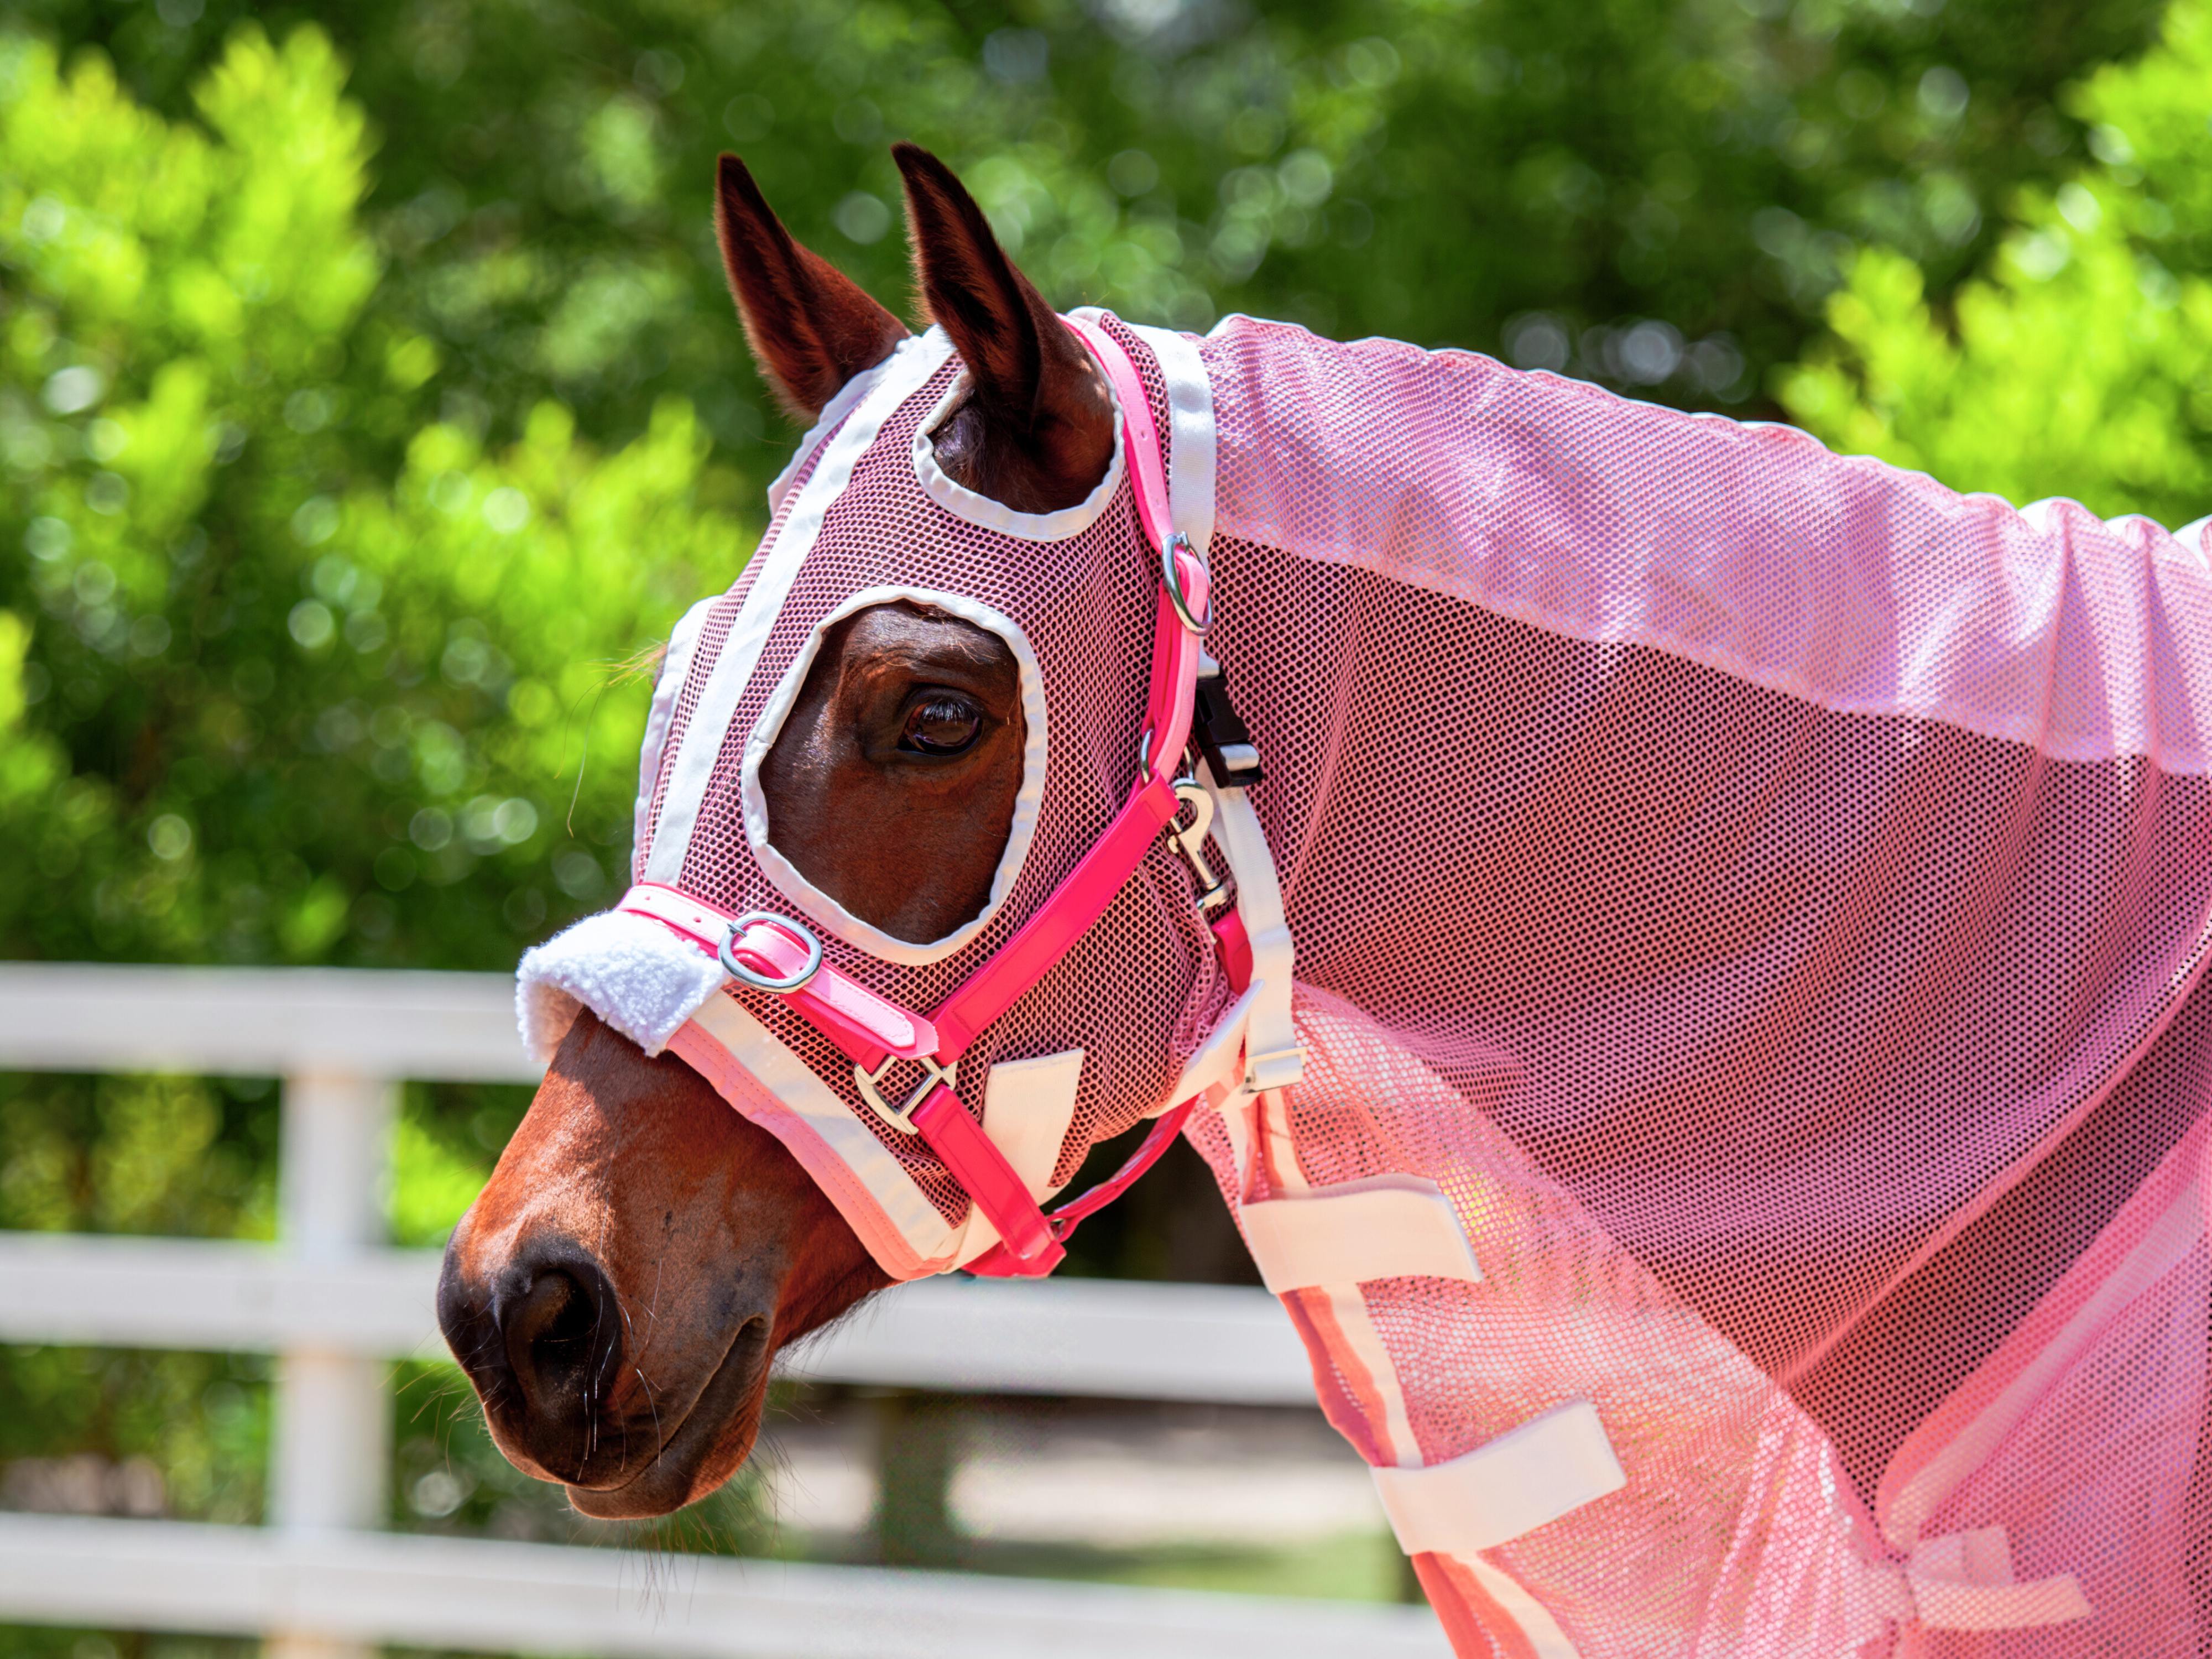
(1093, 1337)
(334, 1303)
(261, 1022)
(556, 1600)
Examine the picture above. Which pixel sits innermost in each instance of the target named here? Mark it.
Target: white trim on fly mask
(891, 383)
(667, 686)
(1190, 443)
(965, 504)
(835, 410)
(820, 907)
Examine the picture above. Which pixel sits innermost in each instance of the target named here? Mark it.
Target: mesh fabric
(1767, 892)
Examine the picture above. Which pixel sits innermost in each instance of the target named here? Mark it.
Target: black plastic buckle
(1220, 732)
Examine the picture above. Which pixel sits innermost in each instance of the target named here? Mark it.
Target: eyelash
(943, 709)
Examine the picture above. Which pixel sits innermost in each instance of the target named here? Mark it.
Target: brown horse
(642, 1251)
(1693, 1184)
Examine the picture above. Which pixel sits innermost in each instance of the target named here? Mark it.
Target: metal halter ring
(758, 980)
(1171, 575)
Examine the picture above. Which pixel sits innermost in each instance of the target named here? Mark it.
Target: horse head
(641, 1251)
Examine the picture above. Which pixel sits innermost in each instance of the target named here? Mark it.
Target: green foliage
(448, 1137)
(163, 1156)
(309, 669)
(290, 669)
(2079, 364)
(1515, 173)
(201, 1420)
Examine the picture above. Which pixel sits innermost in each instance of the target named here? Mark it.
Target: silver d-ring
(737, 970)
(1171, 576)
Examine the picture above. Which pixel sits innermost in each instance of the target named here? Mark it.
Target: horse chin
(706, 1449)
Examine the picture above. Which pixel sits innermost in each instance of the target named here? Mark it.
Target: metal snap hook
(737, 970)
(1189, 841)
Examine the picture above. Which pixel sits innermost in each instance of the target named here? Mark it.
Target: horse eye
(941, 726)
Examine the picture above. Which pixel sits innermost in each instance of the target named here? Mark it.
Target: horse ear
(1037, 391)
(812, 327)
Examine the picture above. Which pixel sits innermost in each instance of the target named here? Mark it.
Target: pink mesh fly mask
(1736, 1149)
(840, 1064)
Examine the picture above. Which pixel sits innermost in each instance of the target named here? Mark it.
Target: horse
(1684, 962)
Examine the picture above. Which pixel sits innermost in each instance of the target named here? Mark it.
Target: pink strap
(1235, 948)
(1175, 648)
(981, 1168)
(1141, 436)
(866, 1026)
(1061, 920)
(1001, 1262)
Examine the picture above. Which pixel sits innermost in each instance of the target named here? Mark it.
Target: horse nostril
(553, 1337)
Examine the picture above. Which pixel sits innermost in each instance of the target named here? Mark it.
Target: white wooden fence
(334, 1305)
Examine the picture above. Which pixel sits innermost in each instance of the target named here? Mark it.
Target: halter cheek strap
(779, 956)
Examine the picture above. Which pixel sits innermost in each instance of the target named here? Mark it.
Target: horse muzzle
(567, 1390)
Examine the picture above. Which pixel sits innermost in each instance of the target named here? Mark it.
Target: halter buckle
(737, 969)
(1190, 842)
(901, 1117)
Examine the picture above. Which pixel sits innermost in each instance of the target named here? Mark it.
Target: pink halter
(777, 955)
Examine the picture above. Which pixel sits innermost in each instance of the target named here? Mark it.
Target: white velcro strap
(1274, 1058)
(1387, 1226)
(1548, 1467)
(1215, 1059)
(1027, 1105)
(1278, 1069)
(1963, 1581)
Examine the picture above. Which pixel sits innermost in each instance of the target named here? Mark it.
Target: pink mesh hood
(1746, 1195)
(1766, 892)
(866, 516)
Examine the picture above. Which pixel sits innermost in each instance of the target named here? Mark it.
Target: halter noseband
(783, 958)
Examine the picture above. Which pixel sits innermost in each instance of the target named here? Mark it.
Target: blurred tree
(296, 668)
(2079, 363)
(1656, 193)
(309, 671)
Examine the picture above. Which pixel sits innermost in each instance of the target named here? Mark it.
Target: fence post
(918, 1450)
(331, 1450)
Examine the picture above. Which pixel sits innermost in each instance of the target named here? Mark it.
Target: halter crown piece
(779, 957)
